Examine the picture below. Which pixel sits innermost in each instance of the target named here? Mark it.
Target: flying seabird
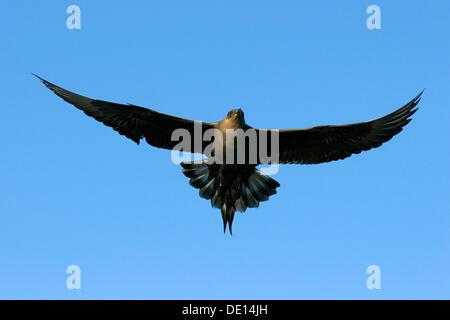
(231, 185)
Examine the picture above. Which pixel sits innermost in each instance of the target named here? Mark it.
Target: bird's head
(236, 115)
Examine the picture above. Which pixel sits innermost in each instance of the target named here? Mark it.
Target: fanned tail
(235, 190)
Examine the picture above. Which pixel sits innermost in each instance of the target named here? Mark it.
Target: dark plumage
(230, 186)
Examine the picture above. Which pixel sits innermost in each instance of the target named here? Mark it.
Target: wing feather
(132, 121)
(328, 143)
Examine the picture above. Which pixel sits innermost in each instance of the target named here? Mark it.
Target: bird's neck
(231, 124)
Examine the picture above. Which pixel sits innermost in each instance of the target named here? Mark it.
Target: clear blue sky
(74, 192)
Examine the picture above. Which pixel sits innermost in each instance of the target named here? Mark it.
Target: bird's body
(231, 186)
(231, 182)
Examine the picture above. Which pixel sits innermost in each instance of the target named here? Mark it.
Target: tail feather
(266, 180)
(266, 184)
(200, 180)
(200, 177)
(244, 191)
(193, 169)
(248, 198)
(208, 190)
(216, 200)
(227, 217)
(257, 191)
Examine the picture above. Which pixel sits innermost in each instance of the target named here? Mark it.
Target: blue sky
(74, 192)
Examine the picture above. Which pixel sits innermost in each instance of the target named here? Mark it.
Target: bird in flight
(232, 185)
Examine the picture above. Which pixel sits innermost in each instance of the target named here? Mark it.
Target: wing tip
(420, 94)
(45, 82)
(417, 99)
(413, 108)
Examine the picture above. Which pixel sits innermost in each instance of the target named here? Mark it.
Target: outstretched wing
(328, 143)
(132, 121)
